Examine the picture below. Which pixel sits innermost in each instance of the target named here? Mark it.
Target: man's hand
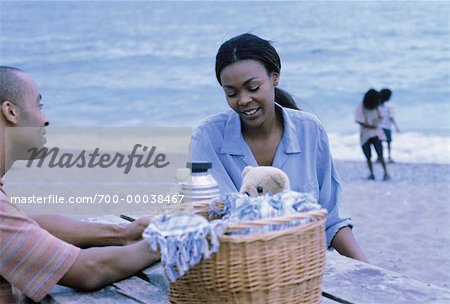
(134, 230)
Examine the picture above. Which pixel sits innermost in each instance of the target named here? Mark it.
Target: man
(40, 251)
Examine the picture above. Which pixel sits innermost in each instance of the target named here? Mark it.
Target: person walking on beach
(368, 116)
(388, 119)
(40, 251)
(263, 128)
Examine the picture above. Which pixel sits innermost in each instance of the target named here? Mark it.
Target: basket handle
(317, 214)
(203, 206)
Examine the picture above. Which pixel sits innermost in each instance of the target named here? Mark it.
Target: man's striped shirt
(32, 260)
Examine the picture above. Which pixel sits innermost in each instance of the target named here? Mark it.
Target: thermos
(200, 185)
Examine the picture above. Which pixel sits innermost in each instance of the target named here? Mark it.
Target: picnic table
(345, 281)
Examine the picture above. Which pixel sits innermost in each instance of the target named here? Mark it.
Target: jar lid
(199, 166)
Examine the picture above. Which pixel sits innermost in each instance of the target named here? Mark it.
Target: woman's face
(250, 91)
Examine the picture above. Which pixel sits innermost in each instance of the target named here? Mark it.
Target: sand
(404, 224)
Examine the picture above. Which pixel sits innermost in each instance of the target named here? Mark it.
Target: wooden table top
(345, 281)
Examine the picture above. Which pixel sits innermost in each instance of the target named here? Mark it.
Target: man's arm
(345, 243)
(99, 266)
(85, 234)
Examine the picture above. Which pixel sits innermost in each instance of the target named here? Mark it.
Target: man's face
(30, 114)
(31, 121)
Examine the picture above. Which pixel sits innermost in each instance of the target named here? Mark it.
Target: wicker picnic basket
(284, 266)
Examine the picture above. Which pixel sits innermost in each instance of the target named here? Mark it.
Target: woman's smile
(251, 113)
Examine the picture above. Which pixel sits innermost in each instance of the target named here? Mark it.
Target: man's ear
(275, 78)
(9, 111)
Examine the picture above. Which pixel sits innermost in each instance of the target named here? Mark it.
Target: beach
(133, 67)
(404, 224)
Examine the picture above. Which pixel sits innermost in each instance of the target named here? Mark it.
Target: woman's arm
(346, 244)
(367, 125)
(338, 231)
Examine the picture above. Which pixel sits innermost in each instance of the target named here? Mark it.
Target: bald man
(40, 251)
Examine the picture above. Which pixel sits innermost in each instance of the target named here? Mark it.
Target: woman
(368, 116)
(261, 130)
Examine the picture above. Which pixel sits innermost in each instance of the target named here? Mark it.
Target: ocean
(151, 63)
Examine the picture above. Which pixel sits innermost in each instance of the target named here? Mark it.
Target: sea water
(151, 63)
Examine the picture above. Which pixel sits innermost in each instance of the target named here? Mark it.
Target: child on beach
(388, 119)
(263, 128)
(368, 116)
